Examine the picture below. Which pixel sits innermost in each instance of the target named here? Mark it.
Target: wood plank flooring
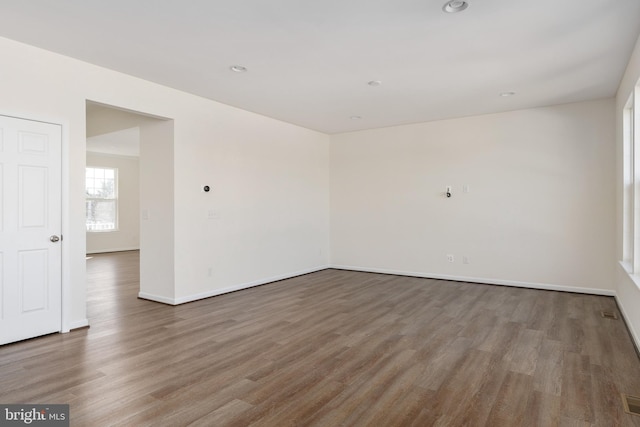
(333, 348)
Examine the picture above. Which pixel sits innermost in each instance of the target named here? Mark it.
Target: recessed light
(505, 94)
(355, 117)
(454, 6)
(374, 83)
(238, 69)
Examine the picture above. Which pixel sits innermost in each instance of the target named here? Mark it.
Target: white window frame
(628, 188)
(114, 199)
(631, 186)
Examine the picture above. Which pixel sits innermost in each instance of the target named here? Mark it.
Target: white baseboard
(519, 284)
(215, 292)
(156, 298)
(530, 285)
(77, 325)
(634, 334)
(106, 251)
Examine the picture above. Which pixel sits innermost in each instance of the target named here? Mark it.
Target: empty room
(249, 213)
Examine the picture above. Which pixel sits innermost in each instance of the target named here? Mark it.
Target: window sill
(626, 266)
(635, 278)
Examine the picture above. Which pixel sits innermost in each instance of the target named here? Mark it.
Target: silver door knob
(54, 238)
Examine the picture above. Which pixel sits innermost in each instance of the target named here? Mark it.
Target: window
(631, 186)
(101, 199)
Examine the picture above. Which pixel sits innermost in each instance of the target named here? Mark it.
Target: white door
(30, 224)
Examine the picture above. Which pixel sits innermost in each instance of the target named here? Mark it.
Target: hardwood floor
(332, 348)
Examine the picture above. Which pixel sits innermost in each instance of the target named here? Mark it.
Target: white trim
(530, 285)
(215, 292)
(633, 277)
(68, 251)
(156, 298)
(122, 156)
(106, 251)
(77, 325)
(626, 266)
(634, 334)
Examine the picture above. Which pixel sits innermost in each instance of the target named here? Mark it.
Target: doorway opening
(114, 190)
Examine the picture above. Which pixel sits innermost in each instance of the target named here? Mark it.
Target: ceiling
(309, 62)
(124, 142)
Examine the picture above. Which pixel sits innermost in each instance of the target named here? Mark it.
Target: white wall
(539, 211)
(103, 119)
(157, 204)
(282, 222)
(267, 214)
(127, 236)
(628, 293)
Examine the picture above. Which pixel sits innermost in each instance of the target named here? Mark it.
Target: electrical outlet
(465, 259)
(450, 258)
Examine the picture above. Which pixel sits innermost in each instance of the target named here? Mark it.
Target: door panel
(30, 213)
(33, 143)
(33, 280)
(32, 188)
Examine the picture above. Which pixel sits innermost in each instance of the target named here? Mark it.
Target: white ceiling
(122, 143)
(309, 61)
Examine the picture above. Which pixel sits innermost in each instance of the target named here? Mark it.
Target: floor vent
(609, 315)
(631, 404)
